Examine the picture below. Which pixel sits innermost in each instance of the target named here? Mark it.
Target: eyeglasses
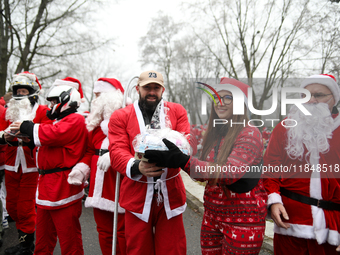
(317, 96)
(227, 99)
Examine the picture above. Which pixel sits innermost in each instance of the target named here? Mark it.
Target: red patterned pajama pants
(230, 238)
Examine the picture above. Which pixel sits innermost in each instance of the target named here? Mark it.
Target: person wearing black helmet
(21, 174)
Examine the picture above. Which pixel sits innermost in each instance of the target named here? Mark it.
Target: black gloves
(173, 158)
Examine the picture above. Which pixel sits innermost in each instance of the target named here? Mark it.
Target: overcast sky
(128, 21)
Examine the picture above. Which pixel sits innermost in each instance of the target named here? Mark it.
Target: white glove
(76, 177)
(79, 174)
(104, 162)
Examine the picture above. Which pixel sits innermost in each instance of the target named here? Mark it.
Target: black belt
(327, 205)
(54, 170)
(101, 152)
(248, 181)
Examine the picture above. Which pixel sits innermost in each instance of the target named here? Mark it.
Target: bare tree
(6, 42)
(325, 36)
(251, 38)
(193, 63)
(38, 35)
(181, 58)
(158, 47)
(87, 72)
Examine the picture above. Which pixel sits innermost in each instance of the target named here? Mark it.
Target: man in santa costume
(154, 198)
(61, 146)
(21, 174)
(101, 196)
(304, 201)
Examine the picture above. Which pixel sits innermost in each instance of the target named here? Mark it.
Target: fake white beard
(313, 131)
(102, 108)
(19, 110)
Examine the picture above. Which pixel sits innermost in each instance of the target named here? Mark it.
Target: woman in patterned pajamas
(234, 200)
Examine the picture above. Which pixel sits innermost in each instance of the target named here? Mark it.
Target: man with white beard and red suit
(304, 202)
(101, 195)
(61, 146)
(21, 173)
(153, 198)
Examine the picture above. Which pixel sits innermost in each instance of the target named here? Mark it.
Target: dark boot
(27, 244)
(12, 250)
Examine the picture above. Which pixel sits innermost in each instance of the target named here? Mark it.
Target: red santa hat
(72, 82)
(324, 79)
(230, 81)
(106, 85)
(242, 86)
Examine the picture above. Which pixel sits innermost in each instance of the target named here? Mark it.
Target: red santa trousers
(20, 199)
(63, 223)
(219, 237)
(290, 245)
(104, 220)
(158, 236)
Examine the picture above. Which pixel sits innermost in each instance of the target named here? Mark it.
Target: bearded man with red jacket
(154, 198)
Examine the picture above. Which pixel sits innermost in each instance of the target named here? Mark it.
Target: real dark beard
(148, 107)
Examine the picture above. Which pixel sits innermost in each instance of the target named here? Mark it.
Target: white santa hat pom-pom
(128, 101)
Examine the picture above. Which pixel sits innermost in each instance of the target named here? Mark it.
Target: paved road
(192, 223)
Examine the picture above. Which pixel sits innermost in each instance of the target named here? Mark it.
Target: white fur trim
(104, 125)
(274, 198)
(97, 200)
(59, 82)
(140, 118)
(296, 230)
(36, 135)
(308, 232)
(103, 204)
(128, 170)
(105, 143)
(333, 237)
(20, 159)
(60, 202)
(103, 86)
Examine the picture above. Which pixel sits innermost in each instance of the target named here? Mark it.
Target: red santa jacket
(61, 145)
(21, 155)
(102, 184)
(136, 193)
(306, 221)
